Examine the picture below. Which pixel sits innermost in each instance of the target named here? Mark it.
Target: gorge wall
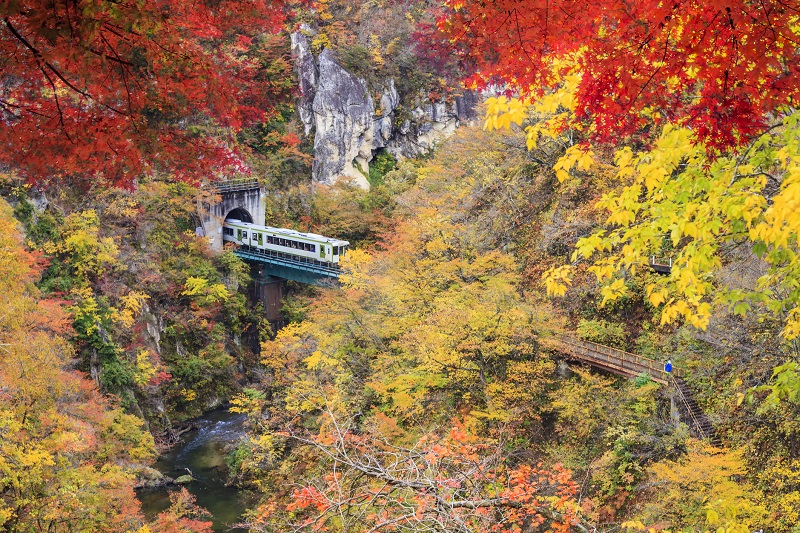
(350, 126)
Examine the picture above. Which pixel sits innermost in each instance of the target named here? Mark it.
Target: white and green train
(285, 242)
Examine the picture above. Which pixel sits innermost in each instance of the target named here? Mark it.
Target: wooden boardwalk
(631, 365)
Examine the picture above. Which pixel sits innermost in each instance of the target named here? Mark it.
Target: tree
(699, 99)
(110, 90)
(451, 482)
(719, 68)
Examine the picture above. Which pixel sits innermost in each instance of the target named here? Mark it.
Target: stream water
(203, 453)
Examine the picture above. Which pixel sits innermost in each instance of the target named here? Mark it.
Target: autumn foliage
(109, 90)
(67, 452)
(450, 482)
(716, 67)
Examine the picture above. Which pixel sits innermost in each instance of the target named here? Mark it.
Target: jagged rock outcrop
(349, 129)
(306, 67)
(343, 111)
(431, 123)
(383, 125)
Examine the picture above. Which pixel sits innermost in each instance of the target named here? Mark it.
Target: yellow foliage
(355, 266)
(64, 448)
(205, 292)
(674, 191)
(557, 280)
(501, 112)
(188, 395)
(132, 304)
(145, 369)
(700, 489)
(83, 248)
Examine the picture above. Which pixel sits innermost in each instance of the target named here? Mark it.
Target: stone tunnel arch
(239, 214)
(247, 205)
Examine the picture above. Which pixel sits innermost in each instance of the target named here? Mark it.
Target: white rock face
(348, 128)
(343, 112)
(306, 68)
(384, 121)
(432, 123)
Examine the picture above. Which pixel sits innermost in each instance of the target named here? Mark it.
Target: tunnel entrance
(239, 214)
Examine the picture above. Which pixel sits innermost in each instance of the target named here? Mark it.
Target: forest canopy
(690, 106)
(108, 91)
(719, 68)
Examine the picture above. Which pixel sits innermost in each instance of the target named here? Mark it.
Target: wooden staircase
(631, 365)
(691, 414)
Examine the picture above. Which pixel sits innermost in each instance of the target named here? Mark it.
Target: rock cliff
(348, 127)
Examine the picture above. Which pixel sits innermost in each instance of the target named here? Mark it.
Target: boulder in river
(150, 478)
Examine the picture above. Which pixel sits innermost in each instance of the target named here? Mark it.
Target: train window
(269, 240)
(244, 235)
(312, 248)
(335, 250)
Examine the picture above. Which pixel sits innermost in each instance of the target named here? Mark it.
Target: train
(286, 243)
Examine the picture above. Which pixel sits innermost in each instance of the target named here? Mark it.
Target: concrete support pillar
(270, 291)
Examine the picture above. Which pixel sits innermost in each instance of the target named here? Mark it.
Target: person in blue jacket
(668, 366)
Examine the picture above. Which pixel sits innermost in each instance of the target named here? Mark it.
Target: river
(203, 451)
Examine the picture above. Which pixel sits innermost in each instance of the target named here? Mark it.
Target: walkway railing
(618, 361)
(286, 260)
(631, 365)
(695, 422)
(239, 184)
(662, 265)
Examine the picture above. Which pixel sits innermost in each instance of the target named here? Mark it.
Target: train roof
(289, 232)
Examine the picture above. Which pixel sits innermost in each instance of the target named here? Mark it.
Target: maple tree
(719, 68)
(110, 90)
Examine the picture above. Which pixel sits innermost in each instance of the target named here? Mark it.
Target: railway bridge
(245, 200)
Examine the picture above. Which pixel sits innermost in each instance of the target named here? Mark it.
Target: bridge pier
(270, 291)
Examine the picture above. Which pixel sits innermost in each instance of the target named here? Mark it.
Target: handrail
(695, 422)
(237, 184)
(634, 362)
(629, 364)
(660, 261)
(303, 263)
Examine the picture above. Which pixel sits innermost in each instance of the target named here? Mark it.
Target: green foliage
(355, 59)
(295, 309)
(67, 451)
(602, 332)
(785, 386)
(150, 304)
(383, 163)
